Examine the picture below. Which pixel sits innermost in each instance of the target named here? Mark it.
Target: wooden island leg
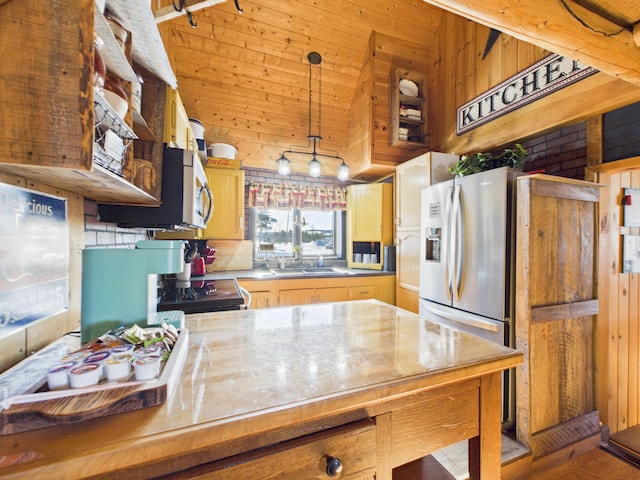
(485, 449)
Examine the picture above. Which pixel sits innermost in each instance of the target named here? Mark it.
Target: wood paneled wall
(460, 74)
(619, 295)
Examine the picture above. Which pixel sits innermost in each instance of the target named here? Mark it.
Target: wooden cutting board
(231, 255)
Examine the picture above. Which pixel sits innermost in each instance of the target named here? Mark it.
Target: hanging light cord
(585, 24)
(319, 99)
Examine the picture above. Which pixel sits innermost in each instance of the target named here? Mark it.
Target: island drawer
(353, 445)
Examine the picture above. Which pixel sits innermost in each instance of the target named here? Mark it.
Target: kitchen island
(294, 392)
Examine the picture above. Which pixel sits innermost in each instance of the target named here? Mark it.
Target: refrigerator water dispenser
(433, 241)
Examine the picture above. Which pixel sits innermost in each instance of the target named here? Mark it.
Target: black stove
(199, 295)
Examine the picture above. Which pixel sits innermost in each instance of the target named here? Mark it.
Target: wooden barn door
(556, 257)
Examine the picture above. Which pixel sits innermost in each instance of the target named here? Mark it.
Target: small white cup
(366, 258)
(357, 257)
(185, 274)
(374, 258)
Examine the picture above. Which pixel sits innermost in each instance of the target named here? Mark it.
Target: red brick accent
(562, 152)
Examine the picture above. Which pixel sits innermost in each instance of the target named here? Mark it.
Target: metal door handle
(463, 318)
(446, 243)
(459, 242)
(453, 243)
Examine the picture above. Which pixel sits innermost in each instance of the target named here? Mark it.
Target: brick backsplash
(562, 152)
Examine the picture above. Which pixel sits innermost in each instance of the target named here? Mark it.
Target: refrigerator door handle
(448, 263)
(456, 245)
(462, 317)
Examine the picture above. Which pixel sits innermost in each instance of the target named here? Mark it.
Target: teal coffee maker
(120, 285)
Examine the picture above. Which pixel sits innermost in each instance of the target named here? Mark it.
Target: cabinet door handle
(334, 466)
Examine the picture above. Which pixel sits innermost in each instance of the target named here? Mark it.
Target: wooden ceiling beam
(552, 27)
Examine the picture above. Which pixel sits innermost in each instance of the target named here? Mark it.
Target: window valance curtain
(288, 195)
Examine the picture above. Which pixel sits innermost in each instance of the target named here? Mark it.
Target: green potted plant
(479, 162)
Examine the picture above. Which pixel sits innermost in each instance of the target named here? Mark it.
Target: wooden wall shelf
(416, 129)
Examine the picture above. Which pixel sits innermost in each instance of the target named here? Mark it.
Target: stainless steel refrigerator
(467, 256)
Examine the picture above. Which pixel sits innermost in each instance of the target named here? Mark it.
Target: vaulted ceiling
(245, 75)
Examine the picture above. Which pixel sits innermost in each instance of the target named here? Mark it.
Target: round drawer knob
(334, 466)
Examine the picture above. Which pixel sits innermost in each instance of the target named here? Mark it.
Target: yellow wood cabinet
(261, 299)
(296, 296)
(177, 129)
(299, 291)
(331, 294)
(263, 292)
(369, 223)
(227, 220)
(300, 296)
(365, 210)
(362, 292)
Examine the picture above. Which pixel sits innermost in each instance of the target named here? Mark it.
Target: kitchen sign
(34, 257)
(539, 80)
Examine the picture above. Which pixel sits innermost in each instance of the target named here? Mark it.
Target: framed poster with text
(34, 257)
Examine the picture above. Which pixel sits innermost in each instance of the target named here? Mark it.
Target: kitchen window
(284, 233)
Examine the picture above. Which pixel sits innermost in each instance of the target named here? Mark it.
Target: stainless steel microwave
(187, 201)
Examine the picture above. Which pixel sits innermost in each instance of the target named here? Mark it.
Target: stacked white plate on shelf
(408, 88)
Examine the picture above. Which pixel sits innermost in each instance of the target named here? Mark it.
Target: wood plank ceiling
(246, 77)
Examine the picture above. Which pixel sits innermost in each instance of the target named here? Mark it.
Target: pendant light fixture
(315, 168)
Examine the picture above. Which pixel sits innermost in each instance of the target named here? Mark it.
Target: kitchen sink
(296, 271)
(287, 271)
(322, 270)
